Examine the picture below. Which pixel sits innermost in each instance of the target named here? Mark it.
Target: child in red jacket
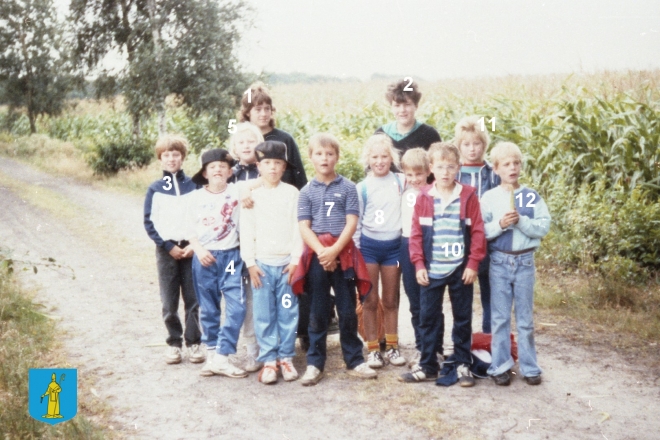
(447, 243)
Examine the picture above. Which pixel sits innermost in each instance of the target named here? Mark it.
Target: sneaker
(465, 378)
(416, 375)
(533, 380)
(503, 379)
(173, 355)
(289, 372)
(394, 357)
(220, 365)
(414, 361)
(268, 374)
(206, 369)
(252, 364)
(375, 359)
(196, 354)
(363, 371)
(312, 376)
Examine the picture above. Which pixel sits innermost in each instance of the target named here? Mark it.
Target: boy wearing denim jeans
(217, 266)
(271, 247)
(446, 246)
(472, 142)
(164, 220)
(516, 218)
(328, 211)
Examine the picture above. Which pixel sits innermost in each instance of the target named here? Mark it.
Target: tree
(34, 66)
(170, 47)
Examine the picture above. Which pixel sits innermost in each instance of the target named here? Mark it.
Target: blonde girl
(379, 238)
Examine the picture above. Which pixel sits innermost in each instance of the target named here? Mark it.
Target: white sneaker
(375, 359)
(394, 357)
(312, 376)
(363, 371)
(289, 372)
(196, 354)
(220, 365)
(414, 361)
(206, 369)
(173, 355)
(268, 374)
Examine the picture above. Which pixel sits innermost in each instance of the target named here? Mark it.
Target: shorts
(383, 252)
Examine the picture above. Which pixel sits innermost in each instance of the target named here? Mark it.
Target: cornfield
(590, 144)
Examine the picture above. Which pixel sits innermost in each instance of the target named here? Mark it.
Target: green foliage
(613, 232)
(171, 47)
(114, 154)
(34, 67)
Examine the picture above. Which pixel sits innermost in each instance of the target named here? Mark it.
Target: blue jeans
(319, 282)
(512, 281)
(432, 319)
(210, 283)
(484, 290)
(411, 288)
(275, 312)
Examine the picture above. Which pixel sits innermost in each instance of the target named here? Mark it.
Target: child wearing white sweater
(271, 246)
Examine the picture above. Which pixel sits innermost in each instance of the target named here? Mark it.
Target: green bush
(611, 231)
(113, 155)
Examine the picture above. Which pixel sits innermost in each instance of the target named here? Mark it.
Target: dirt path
(110, 315)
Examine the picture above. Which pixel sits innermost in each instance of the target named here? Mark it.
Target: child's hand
(177, 253)
(469, 275)
(327, 255)
(206, 258)
(422, 277)
(330, 267)
(255, 276)
(188, 251)
(247, 202)
(290, 269)
(510, 218)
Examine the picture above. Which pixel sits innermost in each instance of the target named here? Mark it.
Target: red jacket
(472, 225)
(350, 260)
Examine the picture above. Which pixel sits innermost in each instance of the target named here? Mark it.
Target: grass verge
(27, 340)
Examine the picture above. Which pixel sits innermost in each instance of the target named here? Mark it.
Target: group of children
(258, 234)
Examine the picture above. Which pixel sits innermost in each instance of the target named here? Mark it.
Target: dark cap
(272, 150)
(215, 155)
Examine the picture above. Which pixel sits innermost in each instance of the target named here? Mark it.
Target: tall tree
(34, 67)
(169, 47)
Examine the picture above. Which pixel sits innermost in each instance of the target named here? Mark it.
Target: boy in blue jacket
(165, 209)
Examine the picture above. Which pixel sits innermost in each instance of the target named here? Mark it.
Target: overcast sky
(439, 39)
(434, 39)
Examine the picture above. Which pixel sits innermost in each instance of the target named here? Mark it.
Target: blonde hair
(443, 151)
(242, 128)
(323, 140)
(470, 125)
(502, 150)
(171, 142)
(380, 140)
(415, 158)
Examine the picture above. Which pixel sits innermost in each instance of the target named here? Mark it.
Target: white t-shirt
(213, 217)
(380, 219)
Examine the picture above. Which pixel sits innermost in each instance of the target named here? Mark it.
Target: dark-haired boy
(406, 131)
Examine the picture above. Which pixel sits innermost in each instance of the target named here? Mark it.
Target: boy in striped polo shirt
(447, 243)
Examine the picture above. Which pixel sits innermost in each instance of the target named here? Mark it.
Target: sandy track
(111, 316)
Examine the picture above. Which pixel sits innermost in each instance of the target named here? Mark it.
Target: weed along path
(111, 329)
